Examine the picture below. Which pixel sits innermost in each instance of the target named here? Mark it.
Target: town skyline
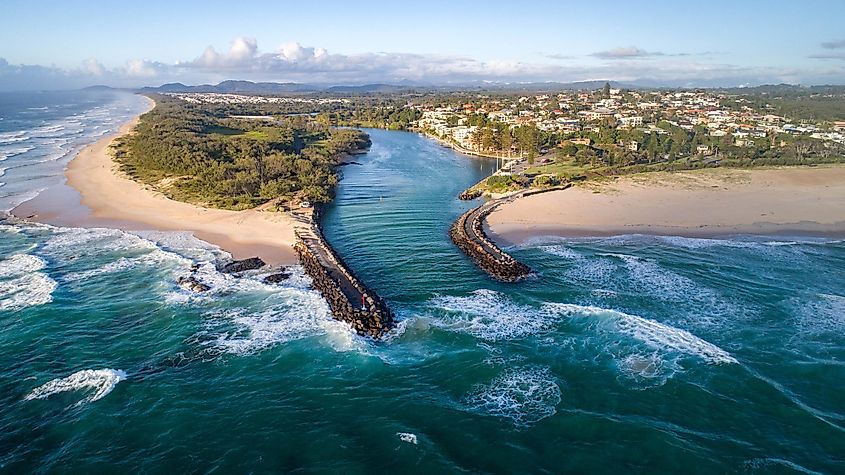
(660, 44)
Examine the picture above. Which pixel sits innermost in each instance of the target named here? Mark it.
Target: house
(633, 146)
(702, 149)
(582, 141)
(634, 121)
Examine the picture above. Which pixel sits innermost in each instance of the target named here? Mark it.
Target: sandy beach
(800, 201)
(99, 195)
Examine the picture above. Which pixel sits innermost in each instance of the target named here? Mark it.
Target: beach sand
(97, 194)
(713, 202)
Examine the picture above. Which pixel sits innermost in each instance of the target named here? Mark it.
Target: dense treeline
(191, 154)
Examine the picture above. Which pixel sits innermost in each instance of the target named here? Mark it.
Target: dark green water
(624, 354)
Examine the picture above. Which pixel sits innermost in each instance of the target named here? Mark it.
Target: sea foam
(22, 284)
(489, 315)
(244, 331)
(656, 335)
(525, 395)
(97, 382)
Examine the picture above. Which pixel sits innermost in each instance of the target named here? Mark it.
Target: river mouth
(392, 212)
(623, 353)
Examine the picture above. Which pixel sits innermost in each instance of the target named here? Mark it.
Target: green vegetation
(192, 154)
(504, 183)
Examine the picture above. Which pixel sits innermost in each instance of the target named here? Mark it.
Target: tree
(605, 91)
(506, 139)
(487, 141)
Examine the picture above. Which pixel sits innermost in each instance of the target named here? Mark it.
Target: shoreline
(789, 201)
(458, 148)
(96, 194)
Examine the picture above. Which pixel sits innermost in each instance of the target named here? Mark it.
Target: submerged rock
(192, 284)
(277, 277)
(243, 265)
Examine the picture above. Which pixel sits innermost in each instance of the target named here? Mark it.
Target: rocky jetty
(468, 234)
(236, 266)
(350, 300)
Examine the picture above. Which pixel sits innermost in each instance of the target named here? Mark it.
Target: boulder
(192, 284)
(243, 265)
(277, 277)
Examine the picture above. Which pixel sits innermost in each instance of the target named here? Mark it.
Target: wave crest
(653, 334)
(98, 382)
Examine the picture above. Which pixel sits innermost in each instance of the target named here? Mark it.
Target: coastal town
(616, 127)
(549, 138)
(577, 114)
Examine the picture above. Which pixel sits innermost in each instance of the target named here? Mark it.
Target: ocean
(621, 354)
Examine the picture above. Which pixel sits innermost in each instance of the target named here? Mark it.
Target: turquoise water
(624, 354)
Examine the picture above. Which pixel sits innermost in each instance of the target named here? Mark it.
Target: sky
(68, 44)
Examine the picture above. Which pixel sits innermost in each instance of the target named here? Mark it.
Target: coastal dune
(111, 199)
(700, 203)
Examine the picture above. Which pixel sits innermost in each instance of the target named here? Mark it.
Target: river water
(623, 354)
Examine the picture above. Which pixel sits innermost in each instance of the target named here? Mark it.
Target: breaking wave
(22, 284)
(243, 331)
(653, 334)
(489, 315)
(98, 383)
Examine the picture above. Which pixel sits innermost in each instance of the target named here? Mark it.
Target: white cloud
(624, 53)
(140, 68)
(241, 52)
(306, 64)
(93, 67)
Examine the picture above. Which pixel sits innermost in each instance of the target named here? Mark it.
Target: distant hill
(236, 87)
(276, 88)
(368, 88)
(249, 87)
(787, 89)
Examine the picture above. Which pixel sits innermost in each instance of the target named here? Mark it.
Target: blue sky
(52, 44)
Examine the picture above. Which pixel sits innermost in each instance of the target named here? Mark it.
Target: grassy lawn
(562, 167)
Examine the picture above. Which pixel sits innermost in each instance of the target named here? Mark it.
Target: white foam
(647, 277)
(655, 335)
(4, 154)
(561, 251)
(489, 315)
(407, 437)
(525, 395)
(27, 291)
(99, 382)
(14, 139)
(19, 264)
(8, 229)
(821, 313)
(22, 284)
(299, 315)
(76, 242)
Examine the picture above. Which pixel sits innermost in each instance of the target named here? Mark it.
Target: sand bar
(715, 202)
(97, 194)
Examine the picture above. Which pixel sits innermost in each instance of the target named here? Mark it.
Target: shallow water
(629, 353)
